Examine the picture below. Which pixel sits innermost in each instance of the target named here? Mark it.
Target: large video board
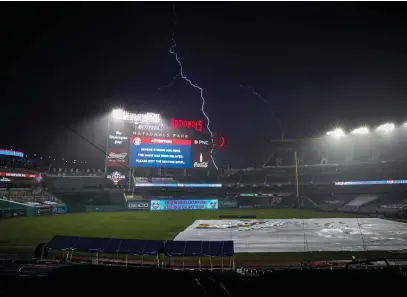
(157, 144)
(157, 152)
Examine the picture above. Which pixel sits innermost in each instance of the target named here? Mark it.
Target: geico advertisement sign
(138, 205)
(227, 204)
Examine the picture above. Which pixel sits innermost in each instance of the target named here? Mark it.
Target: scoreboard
(140, 143)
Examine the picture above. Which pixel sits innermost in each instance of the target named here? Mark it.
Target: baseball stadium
(162, 201)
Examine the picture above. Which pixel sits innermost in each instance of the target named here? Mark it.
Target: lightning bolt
(276, 119)
(185, 78)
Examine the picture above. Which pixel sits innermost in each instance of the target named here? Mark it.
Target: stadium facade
(149, 158)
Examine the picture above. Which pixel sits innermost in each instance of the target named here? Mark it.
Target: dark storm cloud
(317, 63)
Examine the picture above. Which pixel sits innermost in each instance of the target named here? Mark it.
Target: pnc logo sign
(177, 124)
(204, 142)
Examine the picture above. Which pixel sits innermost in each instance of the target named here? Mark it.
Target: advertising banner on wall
(117, 157)
(139, 205)
(59, 209)
(227, 204)
(43, 210)
(116, 177)
(157, 205)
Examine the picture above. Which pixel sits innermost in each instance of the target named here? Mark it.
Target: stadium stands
(35, 197)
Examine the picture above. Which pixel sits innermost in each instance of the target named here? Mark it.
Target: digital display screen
(157, 205)
(160, 152)
(173, 185)
(371, 182)
(11, 153)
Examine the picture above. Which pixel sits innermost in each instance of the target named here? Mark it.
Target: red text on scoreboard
(177, 124)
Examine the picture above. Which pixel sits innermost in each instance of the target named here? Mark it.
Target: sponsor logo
(227, 204)
(148, 117)
(116, 157)
(43, 210)
(137, 141)
(138, 205)
(116, 177)
(177, 124)
(25, 175)
(156, 205)
(160, 134)
(148, 127)
(58, 209)
(118, 139)
(204, 142)
(201, 163)
(242, 225)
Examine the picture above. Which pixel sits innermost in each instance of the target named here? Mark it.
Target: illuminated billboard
(157, 205)
(145, 140)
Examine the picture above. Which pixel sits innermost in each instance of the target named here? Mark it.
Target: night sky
(317, 64)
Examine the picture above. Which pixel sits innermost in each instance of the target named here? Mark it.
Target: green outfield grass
(133, 224)
(26, 232)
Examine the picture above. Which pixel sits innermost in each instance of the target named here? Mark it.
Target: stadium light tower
(386, 128)
(118, 114)
(361, 131)
(338, 132)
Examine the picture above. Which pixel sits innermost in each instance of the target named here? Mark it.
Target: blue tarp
(142, 247)
(200, 248)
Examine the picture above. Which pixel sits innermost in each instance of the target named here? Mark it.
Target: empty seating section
(142, 247)
(34, 197)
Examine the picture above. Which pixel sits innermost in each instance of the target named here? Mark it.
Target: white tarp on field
(287, 235)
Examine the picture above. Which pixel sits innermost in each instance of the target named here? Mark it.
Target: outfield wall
(13, 209)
